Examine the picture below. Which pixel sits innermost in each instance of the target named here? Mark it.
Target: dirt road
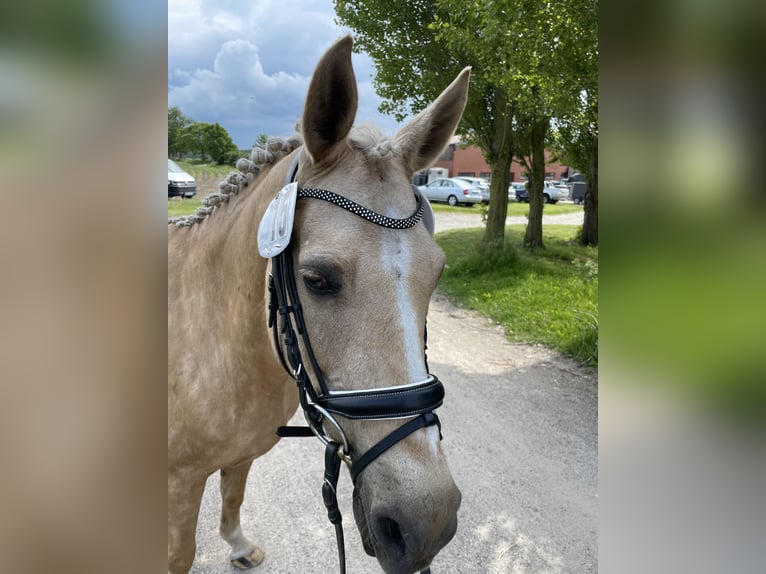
(520, 433)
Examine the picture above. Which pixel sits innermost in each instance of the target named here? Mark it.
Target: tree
(261, 141)
(192, 139)
(408, 41)
(520, 51)
(218, 142)
(576, 134)
(543, 55)
(204, 139)
(177, 122)
(577, 144)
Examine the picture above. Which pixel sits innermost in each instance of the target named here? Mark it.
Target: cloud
(239, 95)
(247, 65)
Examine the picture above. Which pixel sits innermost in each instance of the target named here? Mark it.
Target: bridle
(320, 404)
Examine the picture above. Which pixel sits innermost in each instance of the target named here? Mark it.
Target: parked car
(517, 189)
(180, 182)
(563, 188)
(550, 194)
(479, 182)
(452, 191)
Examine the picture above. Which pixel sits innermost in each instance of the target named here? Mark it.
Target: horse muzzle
(406, 536)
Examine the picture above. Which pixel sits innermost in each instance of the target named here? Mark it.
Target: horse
(363, 289)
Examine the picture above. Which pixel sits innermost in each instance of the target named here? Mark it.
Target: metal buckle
(322, 435)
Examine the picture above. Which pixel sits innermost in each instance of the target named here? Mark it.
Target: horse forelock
(373, 144)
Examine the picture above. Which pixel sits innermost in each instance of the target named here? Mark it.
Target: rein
(320, 404)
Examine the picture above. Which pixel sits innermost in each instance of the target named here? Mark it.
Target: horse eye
(318, 284)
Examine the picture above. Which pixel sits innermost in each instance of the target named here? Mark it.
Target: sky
(247, 64)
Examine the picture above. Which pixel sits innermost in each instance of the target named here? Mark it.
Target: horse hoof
(250, 561)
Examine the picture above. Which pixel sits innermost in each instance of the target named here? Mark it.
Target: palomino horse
(363, 268)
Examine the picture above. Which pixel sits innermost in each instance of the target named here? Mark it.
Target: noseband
(320, 404)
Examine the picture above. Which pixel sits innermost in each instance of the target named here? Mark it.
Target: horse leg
(244, 554)
(184, 498)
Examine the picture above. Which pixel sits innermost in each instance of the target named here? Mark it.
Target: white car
(180, 182)
(452, 191)
(562, 187)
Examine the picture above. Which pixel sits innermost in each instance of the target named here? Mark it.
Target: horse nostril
(389, 533)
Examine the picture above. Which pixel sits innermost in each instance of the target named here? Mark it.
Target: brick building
(469, 160)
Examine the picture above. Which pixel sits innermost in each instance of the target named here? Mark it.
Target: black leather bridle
(320, 404)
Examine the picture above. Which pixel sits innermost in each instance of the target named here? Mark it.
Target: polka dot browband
(363, 212)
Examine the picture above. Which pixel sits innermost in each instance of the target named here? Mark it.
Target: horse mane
(261, 160)
(376, 147)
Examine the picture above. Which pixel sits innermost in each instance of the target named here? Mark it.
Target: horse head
(364, 291)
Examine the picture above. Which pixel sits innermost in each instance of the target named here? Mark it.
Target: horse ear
(424, 138)
(331, 101)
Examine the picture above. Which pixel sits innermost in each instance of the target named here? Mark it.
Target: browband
(363, 212)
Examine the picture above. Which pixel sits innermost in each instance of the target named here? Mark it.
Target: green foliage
(546, 295)
(531, 61)
(218, 143)
(261, 141)
(200, 139)
(177, 123)
(191, 139)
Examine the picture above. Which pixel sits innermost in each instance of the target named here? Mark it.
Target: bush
(229, 158)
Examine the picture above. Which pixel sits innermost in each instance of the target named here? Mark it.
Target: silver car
(479, 182)
(452, 191)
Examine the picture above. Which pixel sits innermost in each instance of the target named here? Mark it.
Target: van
(578, 192)
(180, 182)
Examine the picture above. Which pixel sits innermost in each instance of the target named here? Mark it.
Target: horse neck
(228, 254)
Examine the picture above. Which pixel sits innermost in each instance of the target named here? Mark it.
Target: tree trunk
(499, 158)
(494, 233)
(590, 220)
(533, 237)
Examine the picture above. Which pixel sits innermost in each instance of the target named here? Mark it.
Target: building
(460, 159)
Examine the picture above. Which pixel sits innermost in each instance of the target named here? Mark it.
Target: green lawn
(186, 206)
(514, 209)
(547, 296)
(200, 170)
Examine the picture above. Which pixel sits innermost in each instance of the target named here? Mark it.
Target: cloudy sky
(246, 64)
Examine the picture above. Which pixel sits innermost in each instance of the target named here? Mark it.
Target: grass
(547, 296)
(514, 209)
(199, 170)
(183, 206)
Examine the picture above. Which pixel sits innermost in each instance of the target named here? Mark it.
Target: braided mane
(375, 147)
(236, 181)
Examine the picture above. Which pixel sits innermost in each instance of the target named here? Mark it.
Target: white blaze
(396, 257)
